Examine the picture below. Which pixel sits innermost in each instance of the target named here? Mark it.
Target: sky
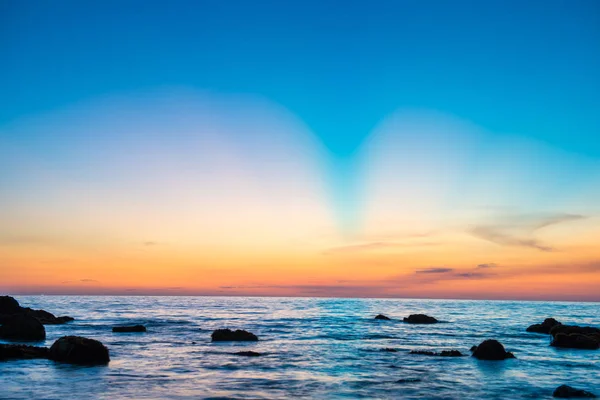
(426, 149)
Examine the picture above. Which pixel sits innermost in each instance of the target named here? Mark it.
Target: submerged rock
(22, 352)
(444, 353)
(420, 319)
(79, 350)
(227, 335)
(575, 341)
(389, 350)
(567, 392)
(491, 350)
(544, 327)
(9, 307)
(133, 328)
(382, 317)
(247, 354)
(22, 327)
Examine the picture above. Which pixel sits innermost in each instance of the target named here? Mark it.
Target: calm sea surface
(314, 348)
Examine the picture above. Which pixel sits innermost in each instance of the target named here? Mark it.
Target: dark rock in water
(408, 380)
(382, 317)
(79, 350)
(420, 319)
(9, 307)
(451, 353)
(473, 348)
(491, 350)
(567, 392)
(247, 354)
(423, 352)
(22, 327)
(582, 330)
(134, 328)
(575, 341)
(389, 350)
(21, 352)
(227, 335)
(544, 327)
(444, 353)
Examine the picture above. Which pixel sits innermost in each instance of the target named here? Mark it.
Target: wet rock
(444, 353)
(451, 353)
(544, 327)
(21, 352)
(247, 354)
(567, 392)
(408, 380)
(227, 335)
(389, 350)
(79, 350)
(575, 341)
(382, 317)
(581, 330)
(420, 319)
(133, 328)
(491, 350)
(423, 352)
(22, 327)
(9, 307)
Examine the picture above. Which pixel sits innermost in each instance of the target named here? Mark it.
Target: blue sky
(520, 67)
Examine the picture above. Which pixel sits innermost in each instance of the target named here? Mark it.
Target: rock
(22, 327)
(21, 352)
(389, 350)
(491, 350)
(420, 319)
(247, 354)
(382, 317)
(544, 327)
(9, 307)
(575, 341)
(444, 353)
(79, 350)
(567, 392)
(423, 352)
(227, 335)
(451, 353)
(582, 330)
(134, 328)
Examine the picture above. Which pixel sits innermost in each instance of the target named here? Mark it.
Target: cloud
(492, 234)
(374, 246)
(517, 230)
(150, 243)
(84, 280)
(434, 271)
(485, 266)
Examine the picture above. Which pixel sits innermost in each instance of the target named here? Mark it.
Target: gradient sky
(311, 148)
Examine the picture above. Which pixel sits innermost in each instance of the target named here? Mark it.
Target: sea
(313, 348)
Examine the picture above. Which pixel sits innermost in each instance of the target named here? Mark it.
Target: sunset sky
(431, 149)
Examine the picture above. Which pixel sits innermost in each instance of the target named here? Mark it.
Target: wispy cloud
(488, 265)
(436, 270)
(365, 247)
(518, 230)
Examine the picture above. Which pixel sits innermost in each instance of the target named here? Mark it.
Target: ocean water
(314, 348)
